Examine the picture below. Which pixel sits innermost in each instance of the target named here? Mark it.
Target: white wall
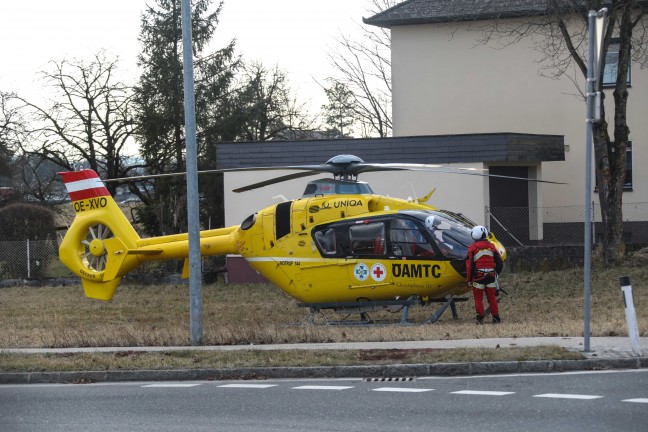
(401, 184)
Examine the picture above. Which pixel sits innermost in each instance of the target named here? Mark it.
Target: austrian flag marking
(83, 185)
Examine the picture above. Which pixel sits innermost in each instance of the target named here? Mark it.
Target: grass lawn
(538, 304)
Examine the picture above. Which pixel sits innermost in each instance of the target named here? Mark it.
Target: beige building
(445, 81)
(487, 106)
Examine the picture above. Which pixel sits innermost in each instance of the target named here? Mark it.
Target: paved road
(591, 401)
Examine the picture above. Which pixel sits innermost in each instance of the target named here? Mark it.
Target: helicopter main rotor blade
(343, 166)
(310, 168)
(374, 167)
(466, 171)
(276, 180)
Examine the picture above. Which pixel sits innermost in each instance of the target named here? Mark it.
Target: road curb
(372, 371)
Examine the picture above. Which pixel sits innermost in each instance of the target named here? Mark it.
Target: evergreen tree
(338, 113)
(160, 100)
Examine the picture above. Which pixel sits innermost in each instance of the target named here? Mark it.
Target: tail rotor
(94, 255)
(97, 244)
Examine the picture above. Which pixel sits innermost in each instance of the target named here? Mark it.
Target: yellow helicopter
(340, 246)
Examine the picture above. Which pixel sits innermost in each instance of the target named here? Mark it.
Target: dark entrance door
(509, 204)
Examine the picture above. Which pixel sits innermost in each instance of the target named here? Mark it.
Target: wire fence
(39, 259)
(562, 226)
(518, 227)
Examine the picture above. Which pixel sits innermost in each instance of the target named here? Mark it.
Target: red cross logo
(378, 272)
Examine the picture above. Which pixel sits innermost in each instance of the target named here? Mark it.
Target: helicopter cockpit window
(452, 237)
(407, 240)
(353, 188)
(326, 241)
(367, 238)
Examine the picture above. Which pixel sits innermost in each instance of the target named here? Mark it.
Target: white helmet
(479, 232)
(429, 223)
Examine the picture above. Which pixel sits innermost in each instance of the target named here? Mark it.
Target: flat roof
(431, 149)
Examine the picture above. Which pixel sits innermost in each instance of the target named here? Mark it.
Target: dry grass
(538, 304)
(131, 360)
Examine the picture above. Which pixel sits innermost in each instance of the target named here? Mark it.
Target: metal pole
(195, 288)
(587, 259)
(28, 261)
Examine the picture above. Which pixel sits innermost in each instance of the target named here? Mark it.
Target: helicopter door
(369, 247)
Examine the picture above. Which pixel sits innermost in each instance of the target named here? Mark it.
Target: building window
(627, 184)
(612, 65)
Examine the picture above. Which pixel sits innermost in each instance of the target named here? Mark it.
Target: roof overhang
(524, 149)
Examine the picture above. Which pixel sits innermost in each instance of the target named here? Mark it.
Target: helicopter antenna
(282, 197)
(414, 193)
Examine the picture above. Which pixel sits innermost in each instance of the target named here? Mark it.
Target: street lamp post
(596, 26)
(195, 288)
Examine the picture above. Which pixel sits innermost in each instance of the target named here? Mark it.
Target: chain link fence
(562, 226)
(515, 227)
(39, 260)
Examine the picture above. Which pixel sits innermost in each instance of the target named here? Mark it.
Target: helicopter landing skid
(451, 301)
(362, 307)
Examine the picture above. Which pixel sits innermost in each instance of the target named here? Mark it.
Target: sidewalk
(605, 353)
(601, 347)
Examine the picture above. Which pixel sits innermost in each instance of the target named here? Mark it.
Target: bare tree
(11, 130)
(29, 175)
(561, 34)
(364, 67)
(87, 122)
(267, 107)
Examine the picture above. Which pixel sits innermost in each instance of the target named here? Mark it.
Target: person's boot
(479, 319)
(496, 319)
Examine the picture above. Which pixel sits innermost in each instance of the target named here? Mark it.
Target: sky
(293, 34)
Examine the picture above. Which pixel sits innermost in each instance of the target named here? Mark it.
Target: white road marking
(567, 396)
(483, 393)
(171, 385)
(389, 390)
(543, 374)
(314, 387)
(401, 390)
(256, 386)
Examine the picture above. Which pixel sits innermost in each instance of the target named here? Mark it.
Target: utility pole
(195, 271)
(596, 27)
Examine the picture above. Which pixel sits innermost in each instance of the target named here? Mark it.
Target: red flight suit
(483, 265)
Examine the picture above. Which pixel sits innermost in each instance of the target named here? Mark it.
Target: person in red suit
(483, 265)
